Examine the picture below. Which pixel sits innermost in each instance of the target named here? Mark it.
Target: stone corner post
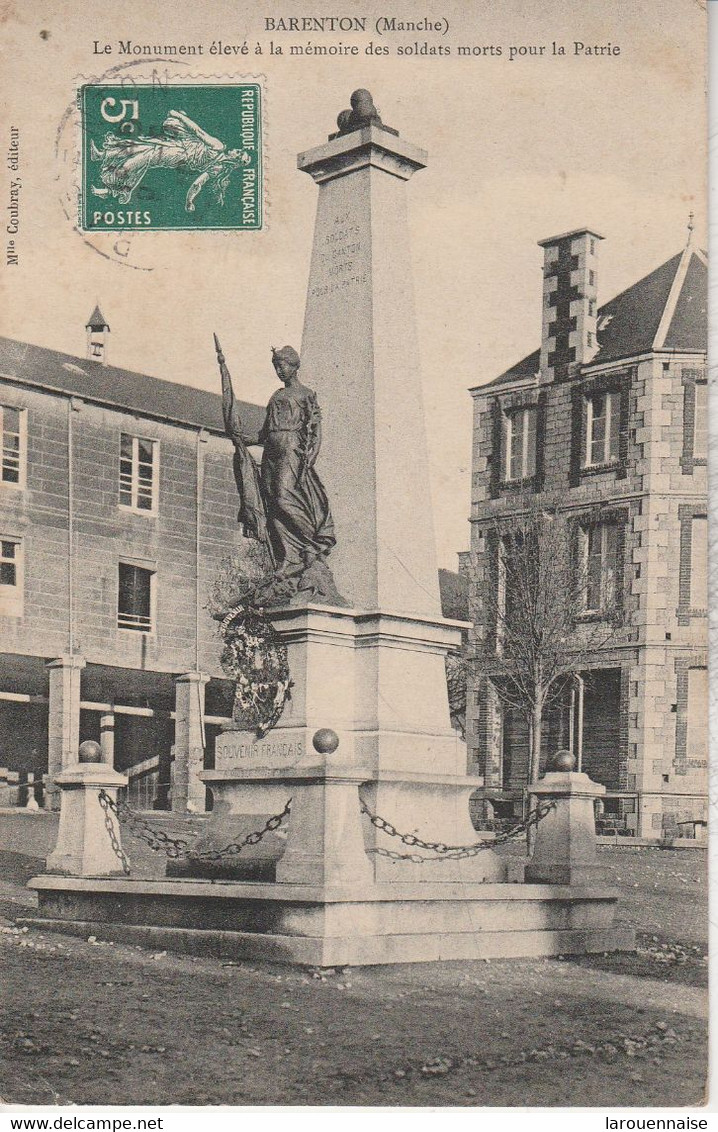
(565, 845)
(84, 847)
(325, 843)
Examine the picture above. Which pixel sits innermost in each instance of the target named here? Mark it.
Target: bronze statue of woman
(284, 503)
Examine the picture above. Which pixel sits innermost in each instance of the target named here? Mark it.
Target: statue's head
(285, 362)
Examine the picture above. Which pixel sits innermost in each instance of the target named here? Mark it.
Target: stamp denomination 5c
(171, 157)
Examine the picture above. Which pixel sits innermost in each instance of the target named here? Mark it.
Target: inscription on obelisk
(342, 263)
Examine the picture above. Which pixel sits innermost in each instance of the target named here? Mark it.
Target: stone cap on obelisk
(360, 353)
(362, 139)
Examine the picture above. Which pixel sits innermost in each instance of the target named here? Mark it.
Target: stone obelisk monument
(373, 671)
(360, 352)
(366, 734)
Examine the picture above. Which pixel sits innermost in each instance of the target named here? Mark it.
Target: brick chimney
(97, 331)
(570, 277)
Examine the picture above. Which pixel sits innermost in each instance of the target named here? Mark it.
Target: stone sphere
(563, 760)
(325, 741)
(90, 752)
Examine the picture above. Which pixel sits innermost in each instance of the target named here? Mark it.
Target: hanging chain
(175, 847)
(449, 852)
(107, 805)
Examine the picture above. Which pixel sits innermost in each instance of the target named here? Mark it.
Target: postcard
(354, 537)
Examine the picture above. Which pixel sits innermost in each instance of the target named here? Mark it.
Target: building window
(520, 444)
(695, 420)
(600, 567)
(600, 413)
(699, 563)
(517, 584)
(13, 426)
(592, 308)
(700, 435)
(135, 598)
(11, 577)
(592, 244)
(603, 415)
(138, 473)
(591, 278)
(693, 564)
(691, 714)
(517, 430)
(697, 714)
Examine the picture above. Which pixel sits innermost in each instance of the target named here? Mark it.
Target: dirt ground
(97, 1023)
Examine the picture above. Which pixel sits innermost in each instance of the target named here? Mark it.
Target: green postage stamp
(164, 157)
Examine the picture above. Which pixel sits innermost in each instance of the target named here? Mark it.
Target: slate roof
(688, 329)
(97, 320)
(119, 388)
(666, 310)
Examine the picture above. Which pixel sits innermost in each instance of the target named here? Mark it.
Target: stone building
(608, 421)
(117, 508)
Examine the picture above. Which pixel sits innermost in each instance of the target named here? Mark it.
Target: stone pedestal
(565, 846)
(377, 680)
(83, 845)
(63, 720)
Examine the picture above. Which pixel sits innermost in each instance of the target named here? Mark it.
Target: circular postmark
(121, 247)
(149, 147)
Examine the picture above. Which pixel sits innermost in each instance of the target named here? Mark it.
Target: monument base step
(314, 926)
(305, 951)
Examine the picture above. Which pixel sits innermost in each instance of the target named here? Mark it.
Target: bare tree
(550, 605)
